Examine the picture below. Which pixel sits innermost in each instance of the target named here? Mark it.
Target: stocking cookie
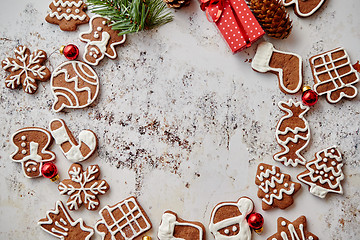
(72, 150)
(74, 85)
(296, 230)
(324, 174)
(172, 227)
(25, 69)
(126, 220)
(275, 188)
(100, 41)
(228, 220)
(67, 14)
(304, 8)
(334, 75)
(292, 133)
(59, 223)
(287, 66)
(83, 187)
(31, 150)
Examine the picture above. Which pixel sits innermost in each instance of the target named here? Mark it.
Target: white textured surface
(182, 123)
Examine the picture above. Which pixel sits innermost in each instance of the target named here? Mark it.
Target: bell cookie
(275, 188)
(67, 14)
(32, 145)
(100, 41)
(60, 224)
(173, 227)
(334, 75)
(296, 230)
(228, 220)
(83, 187)
(287, 66)
(74, 84)
(324, 173)
(26, 69)
(304, 8)
(72, 150)
(292, 133)
(125, 220)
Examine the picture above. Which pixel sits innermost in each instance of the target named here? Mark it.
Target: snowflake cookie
(25, 69)
(83, 187)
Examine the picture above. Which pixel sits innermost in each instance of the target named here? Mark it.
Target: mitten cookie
(25, 69)
(100, 41)
(287, 66)
(304, 8)
(324, 174)
(74, 84)
(295, 230)
(126, 220)
(292, 133)
(59, 223)
(67, 14)
(83, 187)
(228, 220)
(173, 227)
(334, 75)
(32, 150)
(275, 188)
(72, 150)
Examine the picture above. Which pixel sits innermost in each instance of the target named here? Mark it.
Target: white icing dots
(28, 170)
(278, 174)
(317, 171)
(326, 175)
(267, 196)
(311, 238)
(59, 9)
(262, 184)
(99, 29)
(286, 185)
(96, 35)
(23, 144)
(34, 169)
(331, 178)
(23, 138)
(321, 172)
(332, 151)
(68, 10)
(275, 191)
(227, 231)
(261, 168)
(325, 160)
(234, 229)
(283, 223)
(23, 151)
(77, 11)
(104, 22)
(333, 163)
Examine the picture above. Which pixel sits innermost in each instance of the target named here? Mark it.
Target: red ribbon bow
(213, 9)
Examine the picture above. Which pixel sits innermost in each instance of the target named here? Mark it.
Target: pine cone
(272, 16)
(177, 3)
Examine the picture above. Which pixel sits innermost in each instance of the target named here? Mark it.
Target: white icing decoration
(325, 159)
(77, 10)
(281, 156)
(332, 151)
(245, 206)
(333, 163)
(293, 233)
(23, 151)
(267, 196)
(59, 9)
(61, 3)
(102, 44)
(23, 138)
(234, 228)
(96, 35)
(116, 222)
(326, 175)
(62, 230)
(74, 154)
(34, 169)
(286, 185)
(283, 223)
(335, 80)
(67, 16)
(261, 168)
(227, 231)
(275, 191)
(261, 63)
(76, 79)
(28, 169)
(99, 29)
(317, 172)
(319, 190)
(297, 7)
(68, 10)
(23, 144)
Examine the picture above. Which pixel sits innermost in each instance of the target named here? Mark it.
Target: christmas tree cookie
(323, 174)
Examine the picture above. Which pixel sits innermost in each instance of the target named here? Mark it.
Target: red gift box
(235, 21)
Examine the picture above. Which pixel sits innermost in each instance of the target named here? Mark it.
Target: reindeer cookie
(31, 149)
(304, 8)
(101, 40)
(292, 133)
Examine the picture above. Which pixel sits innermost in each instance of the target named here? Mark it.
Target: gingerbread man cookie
(31, 150)
(25, 69)
(67, 14)
(304, 8)
(100, 41)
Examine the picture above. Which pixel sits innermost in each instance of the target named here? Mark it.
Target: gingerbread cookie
(59, 223)
(172, 227)
(275, 188)
(304, 8)
(74, 85)
(334, 75)
(67, 14)
(32, 150)
(228, 220)
(83, 187)
(296, 230)
(292, 133)
(287, 66)
(324, 174)
(125, 220)
(100, 41)
(25, 69)
(72, 150)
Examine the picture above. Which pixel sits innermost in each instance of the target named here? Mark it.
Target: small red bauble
(255, 220)
(309, 97)
(70, 51)
(49, 170)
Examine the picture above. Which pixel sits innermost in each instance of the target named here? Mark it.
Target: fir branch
(129, 16)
